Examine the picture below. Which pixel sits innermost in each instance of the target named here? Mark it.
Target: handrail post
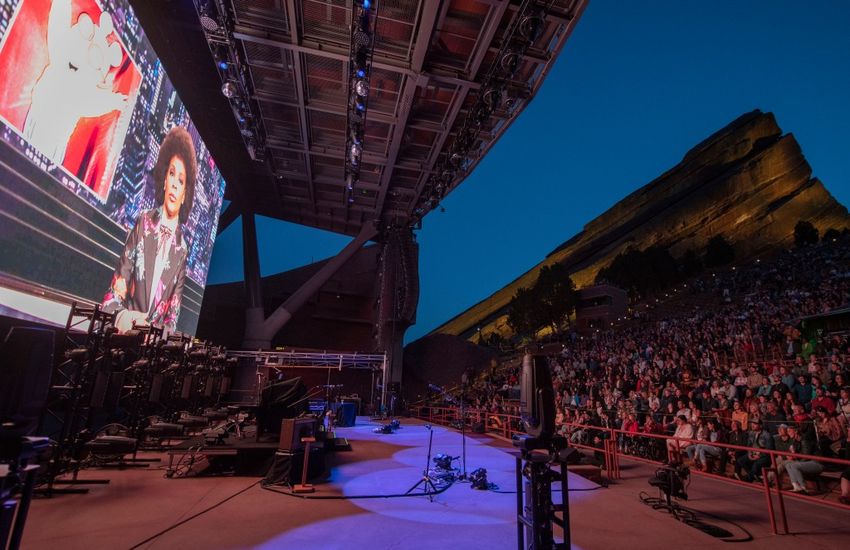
(782, 513)
(769, 502)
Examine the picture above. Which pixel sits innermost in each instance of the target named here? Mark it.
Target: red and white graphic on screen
(67, 84)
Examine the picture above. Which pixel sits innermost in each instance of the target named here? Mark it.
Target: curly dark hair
(177, 143)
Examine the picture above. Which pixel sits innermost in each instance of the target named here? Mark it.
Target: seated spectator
(706, 402)
(765, 389)
(803, 391)
(773, 418)
(715, 434)
(784, 442)
(749, 398)
(821, 400)
(700, 434)
(741, 381)
(829, 431)
(797, 469)
(737, 436)
(787, 378)
(684, 430)
(753, 461)
(739, 414)
(843, 407)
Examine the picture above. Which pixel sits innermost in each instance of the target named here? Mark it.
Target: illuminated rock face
(748, 181)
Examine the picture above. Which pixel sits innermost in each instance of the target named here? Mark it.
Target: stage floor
(139, 503)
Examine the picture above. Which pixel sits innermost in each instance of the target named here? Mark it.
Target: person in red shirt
(823, 400)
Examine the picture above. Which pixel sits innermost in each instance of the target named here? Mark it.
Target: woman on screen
(147, 285)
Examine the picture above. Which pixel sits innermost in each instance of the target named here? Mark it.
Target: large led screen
(108, 195)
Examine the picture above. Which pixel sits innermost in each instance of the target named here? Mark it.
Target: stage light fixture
(510, 62)
(493, 98)
(360, 53)
(361, 88)
(531, 27)
(355, 154)
(362, 39)
(355, 134)
(208, 23)
(223, 65)
(229, 89)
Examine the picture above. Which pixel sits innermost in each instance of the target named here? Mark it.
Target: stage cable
(273, 489)
(190, 518)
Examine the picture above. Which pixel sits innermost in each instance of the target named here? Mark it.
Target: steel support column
(259, 333)
(251, 265)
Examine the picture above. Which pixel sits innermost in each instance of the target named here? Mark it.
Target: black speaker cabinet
(293, 429)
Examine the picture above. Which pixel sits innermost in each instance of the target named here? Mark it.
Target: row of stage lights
(235, 82)
(494, 93)
(360, 69)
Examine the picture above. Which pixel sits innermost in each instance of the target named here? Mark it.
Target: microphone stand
(463, 381)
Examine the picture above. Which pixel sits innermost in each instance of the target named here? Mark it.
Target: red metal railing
(506, 425)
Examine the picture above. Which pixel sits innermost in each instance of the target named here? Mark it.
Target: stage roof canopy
(428, 122)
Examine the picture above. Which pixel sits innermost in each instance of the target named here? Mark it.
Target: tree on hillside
(557, 295)
(805, 234)
(549, 302)
(690, 263)
(642, 272)
(718, 252)
(831, 235)
(523, 313)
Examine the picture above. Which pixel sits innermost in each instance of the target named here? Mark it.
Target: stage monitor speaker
(293, 429)
(285, 399)
(26, 365)
(186, 389)
(156, 388)
(287, 467)
(537, 397)
(225, 386)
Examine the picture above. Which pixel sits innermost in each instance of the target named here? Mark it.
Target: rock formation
(748, 181)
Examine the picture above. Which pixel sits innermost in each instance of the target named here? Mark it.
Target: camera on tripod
(671, 481)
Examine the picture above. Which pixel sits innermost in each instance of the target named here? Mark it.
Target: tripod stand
(429, 488)
(463, 381)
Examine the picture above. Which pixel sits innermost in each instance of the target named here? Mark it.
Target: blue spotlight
(367, 4)
(361, 73)
(223, 65)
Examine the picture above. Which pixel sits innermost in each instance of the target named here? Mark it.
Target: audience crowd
(740, 373)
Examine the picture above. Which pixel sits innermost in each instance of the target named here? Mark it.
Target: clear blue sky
(637, 85)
